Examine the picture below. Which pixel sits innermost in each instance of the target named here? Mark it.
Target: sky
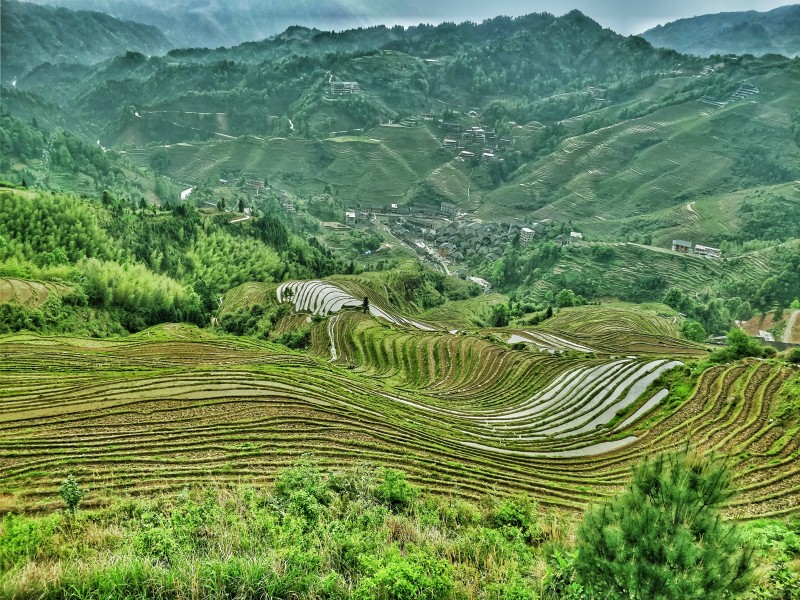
(623, 16)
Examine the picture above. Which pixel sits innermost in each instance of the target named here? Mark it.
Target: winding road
(787, 334)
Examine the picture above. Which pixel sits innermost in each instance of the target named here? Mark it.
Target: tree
(221, 205)
(71, 493)
(740, 345)
(778, 316)
(160, 161)
(664, 537)
(365, 305)
(693, 330)
(241, 205)
(565, 298)
(500, 315)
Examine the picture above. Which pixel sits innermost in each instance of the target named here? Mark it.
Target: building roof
(682, 243)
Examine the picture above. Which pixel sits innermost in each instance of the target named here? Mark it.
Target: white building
(350, 217)
(707, 251)
(525, 236)
(344, 87)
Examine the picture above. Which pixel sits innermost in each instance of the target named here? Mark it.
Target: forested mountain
(773, 32)
(520, 62)
(34, 34)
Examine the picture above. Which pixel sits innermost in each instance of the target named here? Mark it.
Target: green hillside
(657, 161)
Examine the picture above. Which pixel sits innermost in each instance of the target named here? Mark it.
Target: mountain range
(212, 23)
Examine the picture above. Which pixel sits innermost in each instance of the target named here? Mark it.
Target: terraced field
(174, 406)
(28, 293)
(387, 163)
(611, 329)
(633, 263)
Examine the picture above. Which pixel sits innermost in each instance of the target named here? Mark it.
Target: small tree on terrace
(664, 537)
(71, 493)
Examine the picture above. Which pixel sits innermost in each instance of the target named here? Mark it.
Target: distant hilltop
(773, 32)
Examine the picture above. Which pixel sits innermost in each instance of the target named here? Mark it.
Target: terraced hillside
(655, 164)
(170, 407)
(648, 272)
(384, 164)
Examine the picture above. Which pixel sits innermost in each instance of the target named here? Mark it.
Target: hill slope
(774, 32)
(33, 34)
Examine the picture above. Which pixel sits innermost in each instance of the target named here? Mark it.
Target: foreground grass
(359, 533)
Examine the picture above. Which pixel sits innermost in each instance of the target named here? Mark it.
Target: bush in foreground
(664, 537)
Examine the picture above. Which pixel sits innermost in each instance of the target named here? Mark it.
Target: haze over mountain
(212, 23)
(32, 35)
(773, 32)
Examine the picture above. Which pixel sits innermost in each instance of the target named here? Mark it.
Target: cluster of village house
(473, 143)
(688, 248)
(445, 234)
(341, 88)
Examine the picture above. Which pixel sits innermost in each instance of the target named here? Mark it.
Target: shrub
(739, 345)
(303, 481)
(71, 493)
(793, 356)
(516, 517)
(156, 543)
(24, 538)
(395, 491)
(418, 576)
(299, 339)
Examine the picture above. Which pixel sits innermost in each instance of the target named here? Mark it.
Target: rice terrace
(399, 301)
(173, 406)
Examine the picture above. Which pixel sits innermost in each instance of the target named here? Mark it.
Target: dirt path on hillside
(787, 334)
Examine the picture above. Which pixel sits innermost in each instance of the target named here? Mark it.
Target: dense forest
(142, 266)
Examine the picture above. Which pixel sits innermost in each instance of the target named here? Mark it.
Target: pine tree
(664, 537)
